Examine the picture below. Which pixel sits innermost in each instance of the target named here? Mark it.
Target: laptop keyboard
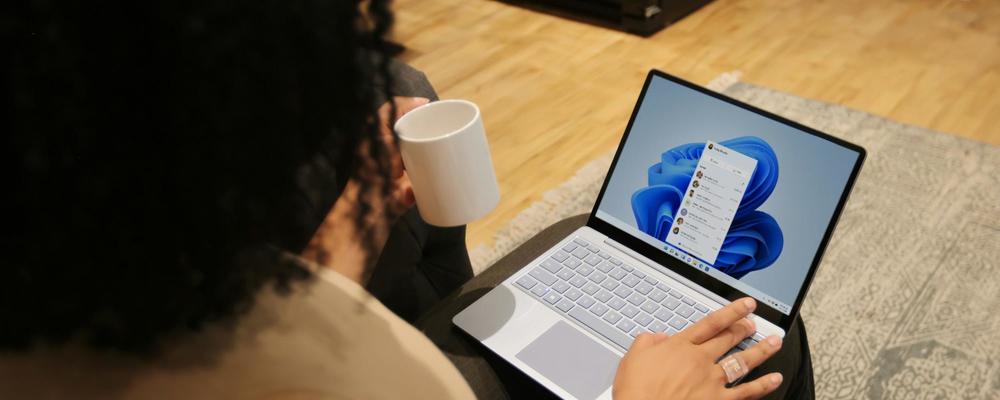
(607, 295)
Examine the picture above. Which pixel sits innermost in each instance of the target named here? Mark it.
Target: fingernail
(751, 305)
(776, 379)
(422, 100)
(774, 341)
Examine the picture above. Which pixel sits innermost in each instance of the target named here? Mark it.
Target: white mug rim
(473, 120)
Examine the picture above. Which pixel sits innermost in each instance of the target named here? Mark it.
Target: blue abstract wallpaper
(754, 240)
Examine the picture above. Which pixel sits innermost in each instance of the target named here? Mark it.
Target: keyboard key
(560, 287)
(636, 299)
(643, 288)
(688, 301)
(526, 282)
(657, 295)
(639, 274)
(616, 303)
(657, 326)
(670, 303)
(643, 319)
(636, 332)
(599, 309)
(592, 259)
(623, 292)
(630, 281)
(552, 297)
(663, 287)
(701, 308)
(618, 274)
(591, 288)
(626, 325)
(560, 256)
(605, 267)
(603, 296)
(609, 284)
(539, 290)
(696, 317)
(569, 247)
(565, 274)
(671, 331)
(597, 277)
(678, 323)
(580, 241)
(564, 305)
(581, 253)
(676, 294)
(612, 317)
(650, 307)
(542, 276)
(685, 311)
(602, 328)
(615, 261)
(593, 248)
(578, 281)
(663, 315)
(573, 294)
(629, 311)
(572, 263)
(627, 267)
(551, 265)
(585, 301)
(585, 270)
(603, 254)
(651, 281)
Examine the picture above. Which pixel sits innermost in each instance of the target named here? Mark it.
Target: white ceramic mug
(446, 155)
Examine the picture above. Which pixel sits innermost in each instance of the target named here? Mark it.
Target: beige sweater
(328, 340)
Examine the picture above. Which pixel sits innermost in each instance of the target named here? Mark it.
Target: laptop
(707, 200)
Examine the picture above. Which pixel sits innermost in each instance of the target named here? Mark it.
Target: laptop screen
(731, 193)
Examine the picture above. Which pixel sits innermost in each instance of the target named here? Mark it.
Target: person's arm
(683, 366)
(337, 243)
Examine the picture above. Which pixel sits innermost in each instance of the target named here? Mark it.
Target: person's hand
(684, 366)
(337, 243)
(402, 194)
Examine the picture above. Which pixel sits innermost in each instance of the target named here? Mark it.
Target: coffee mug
(446, 155)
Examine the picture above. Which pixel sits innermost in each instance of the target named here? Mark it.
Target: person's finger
(404, 191)
(754, 389)
(660, 337)
(407, 104)
(729, 337)
(718, 321)
(760, 352)
(644, 340)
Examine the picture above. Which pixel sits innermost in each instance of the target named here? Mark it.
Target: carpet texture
(906, 303)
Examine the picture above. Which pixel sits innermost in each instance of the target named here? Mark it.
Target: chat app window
(710, 201)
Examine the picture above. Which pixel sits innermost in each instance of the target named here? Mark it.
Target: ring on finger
(734, 367)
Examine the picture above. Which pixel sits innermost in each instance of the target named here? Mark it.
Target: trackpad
(572, 360)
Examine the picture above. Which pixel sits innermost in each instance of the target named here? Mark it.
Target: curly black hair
(163, 153)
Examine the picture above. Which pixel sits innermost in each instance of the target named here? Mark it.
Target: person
(199, 192)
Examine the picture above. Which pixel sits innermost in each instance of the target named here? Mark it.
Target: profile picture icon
(698, 174)
(691, 194)
(710, 146)
(676, 230)
(680, 220)
(684, 211)
(695, 184)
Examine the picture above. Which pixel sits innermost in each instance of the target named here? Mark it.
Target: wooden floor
(557, 93)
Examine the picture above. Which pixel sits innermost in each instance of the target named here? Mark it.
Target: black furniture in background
(641, 17)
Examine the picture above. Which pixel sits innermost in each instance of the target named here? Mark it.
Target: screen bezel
(659, 256)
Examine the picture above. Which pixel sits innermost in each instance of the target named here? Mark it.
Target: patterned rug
(905, 304)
